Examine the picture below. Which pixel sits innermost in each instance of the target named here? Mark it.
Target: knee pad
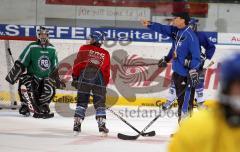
(201, 78)
(48, 91)
(199, 95)
(80, 112)
(172, 85)
(29, 82)
(172, 91)
(171, 94)
(200, 85)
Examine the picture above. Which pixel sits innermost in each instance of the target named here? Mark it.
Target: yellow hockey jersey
(206, 131)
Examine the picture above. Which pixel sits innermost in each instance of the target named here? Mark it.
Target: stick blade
(43, 116)
(127, 137)
(149, 134)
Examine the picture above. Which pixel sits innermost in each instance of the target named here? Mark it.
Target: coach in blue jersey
(206, 54)
(185, 46)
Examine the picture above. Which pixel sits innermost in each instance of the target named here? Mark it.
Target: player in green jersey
(38, 62)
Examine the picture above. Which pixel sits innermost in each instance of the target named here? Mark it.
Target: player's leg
(45, 94)
(23, 110)
(171, 97)
(180, 84)
(99, 100)
(83, 95)
(27, 85)
(191, 101)
(15, 74)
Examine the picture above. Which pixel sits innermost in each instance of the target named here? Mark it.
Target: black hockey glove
(15, 73)
(163, 62)
(74, 82)
(59, 84)
(194, 78)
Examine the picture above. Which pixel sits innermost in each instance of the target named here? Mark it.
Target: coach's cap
(183, 15)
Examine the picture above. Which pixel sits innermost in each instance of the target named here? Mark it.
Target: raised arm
(160, 28)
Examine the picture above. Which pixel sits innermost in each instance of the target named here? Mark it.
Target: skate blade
(103, 134)
(27, 114)
(75, 133)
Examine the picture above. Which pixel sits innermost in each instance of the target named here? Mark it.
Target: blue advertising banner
(82, 33)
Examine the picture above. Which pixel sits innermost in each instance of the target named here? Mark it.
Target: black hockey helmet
(43, 35)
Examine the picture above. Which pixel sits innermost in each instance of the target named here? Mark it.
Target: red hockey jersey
(90, 54)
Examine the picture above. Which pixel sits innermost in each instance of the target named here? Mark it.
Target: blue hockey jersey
(185, 44)
(204, 42)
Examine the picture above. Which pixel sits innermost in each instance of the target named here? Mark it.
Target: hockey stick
(132, 65)
(147, 134)
(169, 103)
(10, 53)
(209, 65)
(147, 64)
(129, 137)
(143, 133)
(188, 92)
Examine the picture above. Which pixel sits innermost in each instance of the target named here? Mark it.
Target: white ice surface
(27, 134)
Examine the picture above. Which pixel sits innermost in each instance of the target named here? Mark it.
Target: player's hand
(145, 22)
(194, 77)
(59, 84)
(62, 85)
(74, 82)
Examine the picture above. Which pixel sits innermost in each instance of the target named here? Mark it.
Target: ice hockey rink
(27, 134)
(134, 91)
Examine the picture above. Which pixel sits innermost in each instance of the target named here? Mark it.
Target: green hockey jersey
(38, 60)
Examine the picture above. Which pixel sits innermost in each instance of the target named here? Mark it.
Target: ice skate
(77, 126)
(103, 130)
(23, 110)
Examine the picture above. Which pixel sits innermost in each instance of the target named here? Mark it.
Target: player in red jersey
(91, 73)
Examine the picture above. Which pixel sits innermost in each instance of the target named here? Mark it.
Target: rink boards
(129, 85)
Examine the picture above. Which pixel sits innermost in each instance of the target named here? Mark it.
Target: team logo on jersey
(44, 63)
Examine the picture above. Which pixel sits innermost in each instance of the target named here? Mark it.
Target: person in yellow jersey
(218, 128)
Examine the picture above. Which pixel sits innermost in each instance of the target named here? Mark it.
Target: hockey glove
(194, 78)
(163, 62)
(15, 73)
(60, 84)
